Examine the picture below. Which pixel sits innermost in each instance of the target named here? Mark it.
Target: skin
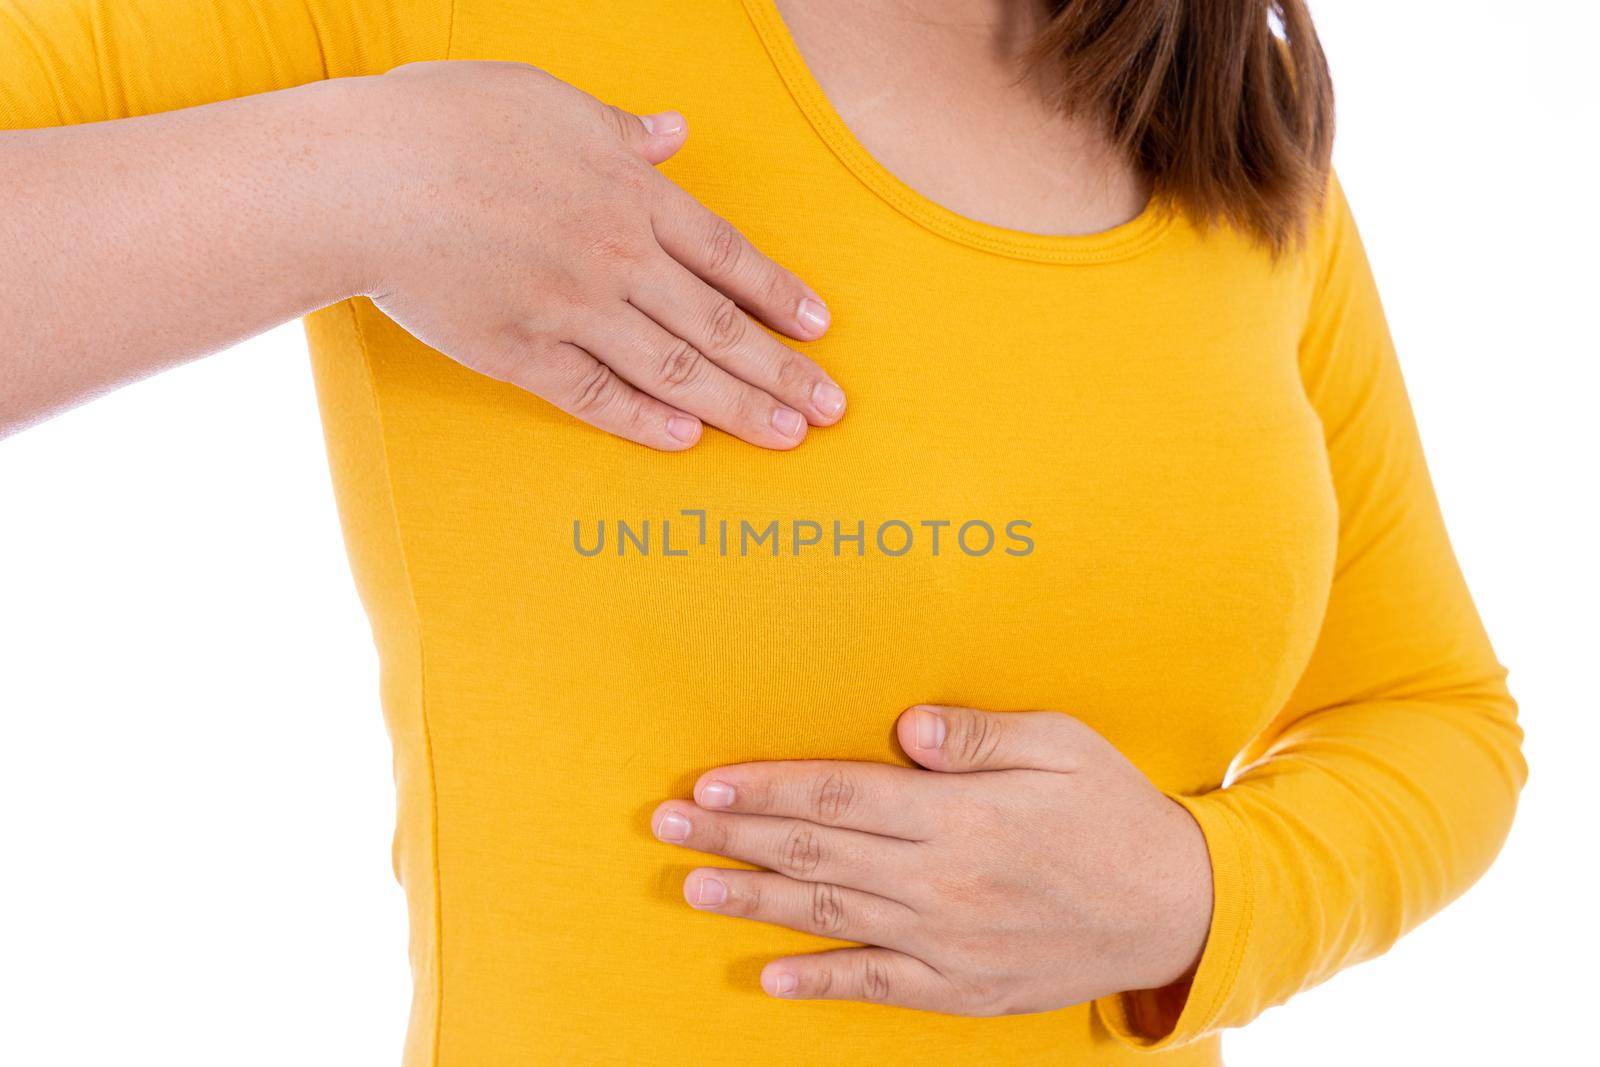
(518, 225)
(1029, 866)
(505, 218)
(937, 92)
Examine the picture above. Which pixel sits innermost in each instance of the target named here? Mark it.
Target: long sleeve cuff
(1157, 1019)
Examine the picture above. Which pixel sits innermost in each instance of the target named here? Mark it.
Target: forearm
(1388, 780)
(1361, 822)
(502, 217)
(132, 246)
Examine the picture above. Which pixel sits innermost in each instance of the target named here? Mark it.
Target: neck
(1008, 25)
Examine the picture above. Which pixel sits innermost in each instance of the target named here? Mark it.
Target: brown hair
(1224, 106)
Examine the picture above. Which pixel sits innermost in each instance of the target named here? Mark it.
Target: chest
(1080, 476)
(1069, 496)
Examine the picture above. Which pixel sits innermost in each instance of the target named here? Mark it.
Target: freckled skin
(614, 295)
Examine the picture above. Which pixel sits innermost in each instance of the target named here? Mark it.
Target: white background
(195, 801)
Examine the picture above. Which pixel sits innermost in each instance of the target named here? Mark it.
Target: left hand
(1030, 867)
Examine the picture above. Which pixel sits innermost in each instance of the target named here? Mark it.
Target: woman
(943, 701)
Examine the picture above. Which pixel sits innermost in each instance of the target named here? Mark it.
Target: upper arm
(64, 62)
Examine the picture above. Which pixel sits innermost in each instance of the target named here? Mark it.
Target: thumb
(654, 137)
(965, 739)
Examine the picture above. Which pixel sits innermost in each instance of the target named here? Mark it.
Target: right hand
(528, 236)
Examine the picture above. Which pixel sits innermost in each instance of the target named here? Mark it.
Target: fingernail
(711, 893)
(828, 398)
(716, 795)
(789, 423)
(684, 429)
(779, 983)
(665, 124)
(672, 827)
(930, 729)
(813, 314)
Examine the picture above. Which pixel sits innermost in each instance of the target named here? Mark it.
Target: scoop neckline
(1121, 241)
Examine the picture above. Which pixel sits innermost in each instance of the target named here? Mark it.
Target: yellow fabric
(1232, 548)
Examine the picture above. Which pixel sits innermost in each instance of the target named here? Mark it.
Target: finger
(670, 368)
(793, 847)
(965, 739)
(709, 245)
(875, 975)
(813, 907)
(654, 138)
(875, 797)
(672, 295)
(577, 383)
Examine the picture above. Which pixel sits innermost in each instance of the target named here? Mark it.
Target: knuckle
(755, 794)
(779, 288)
(1079, 734)
(986, 1001)
(594, 390)
(746, 898)
(717, 837)
(1000, 992)
(801, 854)
(511, 73)
(833, 796)
(627, 172)
(978, 738)
(726, 325)
(827, 908)
(679, 365)
(507, 361)
(635, 419)
(875, 981)
(794, 371)
(1061, 721)
(822, 981)
(615, 119)
(615, 164)
(724, 246)
(753, 409)
(612, 246)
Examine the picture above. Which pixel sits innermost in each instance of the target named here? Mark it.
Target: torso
(1133, 396)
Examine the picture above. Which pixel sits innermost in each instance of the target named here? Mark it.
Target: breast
(1073, 490)
(1135, 527)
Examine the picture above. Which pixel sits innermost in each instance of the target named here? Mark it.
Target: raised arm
(177, 175)
(1387, 784)
(129, 246)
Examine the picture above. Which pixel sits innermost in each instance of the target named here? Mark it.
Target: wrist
(1182, 918)
(346, 183)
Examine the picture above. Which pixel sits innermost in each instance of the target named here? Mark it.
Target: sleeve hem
(1154, 1020)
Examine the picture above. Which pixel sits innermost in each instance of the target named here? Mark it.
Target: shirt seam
(422, 689)
(1224, 988)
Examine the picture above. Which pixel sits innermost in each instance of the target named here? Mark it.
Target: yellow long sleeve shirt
(1150, 477)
